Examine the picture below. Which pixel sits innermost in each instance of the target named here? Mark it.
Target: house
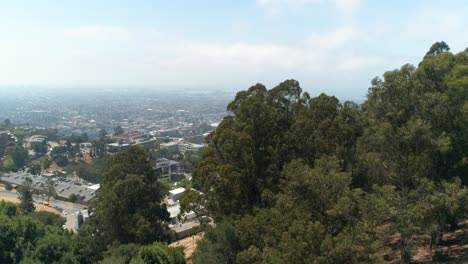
(76, 219)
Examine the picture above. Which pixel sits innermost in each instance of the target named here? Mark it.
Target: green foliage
(121, 254)
(165, 187)
(167, 153)
(318, 218)
(80, 138)
(48, 218)
(127, 208)
(8, 186)
(6, 123)
(308, 180)
(51, 134)
(89, 172)
(72, 198)
(185, 183)
(220, 245)
(103, 135)
(16, 157)
(36, 166)
(30, 239)
(8, 209)
(287, 179)
(26, 204)
(9, 164)
(60, 155)
(192, 200)
(98, 149)
(159, 253)
(438, 48)
(190, 160)
(118, 130)
(20, 133)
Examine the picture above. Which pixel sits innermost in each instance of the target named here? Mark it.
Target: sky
(330, 46)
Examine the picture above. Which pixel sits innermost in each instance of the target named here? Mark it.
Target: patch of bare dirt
(189, 244)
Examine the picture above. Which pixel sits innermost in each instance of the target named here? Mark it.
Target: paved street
(66, 206)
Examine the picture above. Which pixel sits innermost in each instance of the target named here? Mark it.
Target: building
(168, 169)
(76, 219)
(118, 147)
(36, 142)
(176, 194)
(130, 137)
(186, 146)
(147, 144)
(171, 146)
(182, 146)
(172, 132)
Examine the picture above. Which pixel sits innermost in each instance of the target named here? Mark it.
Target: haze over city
(330, 46)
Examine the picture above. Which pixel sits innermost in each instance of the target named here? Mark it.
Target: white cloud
(98, 32)
(431, 25)
(152, 58)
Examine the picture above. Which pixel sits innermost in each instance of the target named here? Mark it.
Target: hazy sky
(331, 46)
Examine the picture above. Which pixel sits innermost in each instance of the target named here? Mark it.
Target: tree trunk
(405, 251)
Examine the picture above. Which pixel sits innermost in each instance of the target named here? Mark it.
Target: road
(66, 206)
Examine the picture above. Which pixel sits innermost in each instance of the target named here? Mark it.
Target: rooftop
(177, 191)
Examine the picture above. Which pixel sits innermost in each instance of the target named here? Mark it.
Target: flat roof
(94, 187)
(177, 191)
(174, 210)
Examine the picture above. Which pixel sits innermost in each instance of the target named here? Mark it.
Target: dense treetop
(310, 180)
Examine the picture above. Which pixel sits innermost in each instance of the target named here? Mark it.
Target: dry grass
(189, 244)
(39, 207)
(454, 245)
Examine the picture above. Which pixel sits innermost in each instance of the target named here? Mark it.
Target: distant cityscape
(145, 111)
(65, 134)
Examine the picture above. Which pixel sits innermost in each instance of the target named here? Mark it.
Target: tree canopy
(127, 208)
(313, 180)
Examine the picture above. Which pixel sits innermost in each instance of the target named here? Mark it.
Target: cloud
(239, 64)
(155, 59)
(445, 24)
(97, 32)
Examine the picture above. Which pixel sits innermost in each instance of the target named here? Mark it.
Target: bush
(72, 198)
(8, 186)
(440, 256)
(48, 218)
(159, 253)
